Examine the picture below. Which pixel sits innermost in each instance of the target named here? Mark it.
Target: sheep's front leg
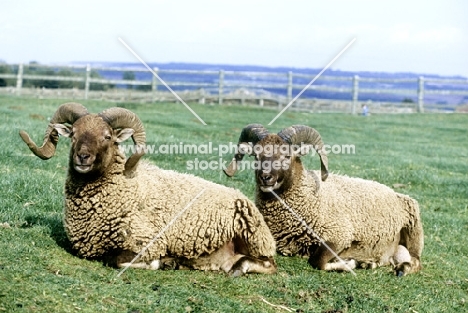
(322, 258)
(248, 264)
(125, 258)
(341, 265)
(154, 265)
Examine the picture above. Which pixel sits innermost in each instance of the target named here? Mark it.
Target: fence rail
(285, 81)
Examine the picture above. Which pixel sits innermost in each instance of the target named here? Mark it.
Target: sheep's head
(93, 137)
(277, 154)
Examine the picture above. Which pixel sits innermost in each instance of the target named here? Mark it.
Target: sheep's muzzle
(83, 162)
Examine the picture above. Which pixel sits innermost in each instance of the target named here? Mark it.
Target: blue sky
(427, 37)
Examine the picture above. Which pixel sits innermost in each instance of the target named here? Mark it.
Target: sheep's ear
(123, 134)
(63, 130)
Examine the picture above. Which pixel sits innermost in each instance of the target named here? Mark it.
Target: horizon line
(413, 73)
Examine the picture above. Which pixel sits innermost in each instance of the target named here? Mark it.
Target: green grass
(427, 153)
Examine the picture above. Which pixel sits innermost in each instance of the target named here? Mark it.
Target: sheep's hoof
(402, 269)
(368, 265)
(236, 273)
(248, 264)
(169, 264)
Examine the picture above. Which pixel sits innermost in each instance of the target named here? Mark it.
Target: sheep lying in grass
(115, 207)
(364, 222)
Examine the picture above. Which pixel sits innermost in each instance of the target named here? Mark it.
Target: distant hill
(428, 99)
(257, 68)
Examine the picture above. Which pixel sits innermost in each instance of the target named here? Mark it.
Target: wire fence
(273, 89)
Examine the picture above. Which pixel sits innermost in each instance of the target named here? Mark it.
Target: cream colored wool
(117, 213)
(349, 212)
(324, 216)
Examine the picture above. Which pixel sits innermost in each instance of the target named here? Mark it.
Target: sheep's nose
(266, 178)
(83, 157)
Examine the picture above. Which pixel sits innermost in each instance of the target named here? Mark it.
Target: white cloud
(400, 34)
(409, 34)
(391, 36)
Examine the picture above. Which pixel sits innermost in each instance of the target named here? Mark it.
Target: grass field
(427, 154)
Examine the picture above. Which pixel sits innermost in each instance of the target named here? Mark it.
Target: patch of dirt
(462, 108)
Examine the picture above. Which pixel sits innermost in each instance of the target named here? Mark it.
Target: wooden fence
(234, 89)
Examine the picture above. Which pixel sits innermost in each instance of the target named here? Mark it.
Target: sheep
(116, 208)
(365, 223)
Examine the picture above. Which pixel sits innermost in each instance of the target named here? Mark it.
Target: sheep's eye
(107, 137)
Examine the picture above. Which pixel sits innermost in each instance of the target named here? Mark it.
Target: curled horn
(298, 134)
(66, 113)
(251, 133)
(123, 118)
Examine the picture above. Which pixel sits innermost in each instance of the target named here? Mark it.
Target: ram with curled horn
(116, 208)
(118, 122)
(355, 221)
(288, 140)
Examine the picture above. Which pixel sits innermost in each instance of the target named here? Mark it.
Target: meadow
(423, 155)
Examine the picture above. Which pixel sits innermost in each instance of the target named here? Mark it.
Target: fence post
(154, 85)
(19, 79)
(88, 76)
(421, 94)
(290, 81)
(355, 92)
(220, 87)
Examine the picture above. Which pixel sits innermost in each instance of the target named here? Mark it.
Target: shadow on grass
(54, 223)
(57, 233)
